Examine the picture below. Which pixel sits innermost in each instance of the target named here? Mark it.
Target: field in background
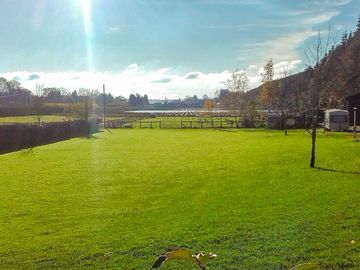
(32, 119)
(119, 199)
(136, 122)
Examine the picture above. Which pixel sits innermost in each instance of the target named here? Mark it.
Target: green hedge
(19, 136)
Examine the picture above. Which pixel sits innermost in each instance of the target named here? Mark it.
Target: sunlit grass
(118, 200)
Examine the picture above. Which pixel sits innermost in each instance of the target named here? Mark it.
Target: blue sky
(163, 48)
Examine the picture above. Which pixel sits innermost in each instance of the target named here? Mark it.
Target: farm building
(354, 102)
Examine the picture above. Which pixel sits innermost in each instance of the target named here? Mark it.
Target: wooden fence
(181, 124)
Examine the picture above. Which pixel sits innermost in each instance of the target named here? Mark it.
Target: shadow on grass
(227, 130)
(91, 137)
(108, 130)
(103, 131)
(259, 130)
(26, 151)
(240, 129)
(334, 170)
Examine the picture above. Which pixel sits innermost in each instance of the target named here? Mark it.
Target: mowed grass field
(117, 201)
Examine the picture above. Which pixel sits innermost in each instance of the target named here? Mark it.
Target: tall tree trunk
(237, 118)
(284, 118)
(313, 140)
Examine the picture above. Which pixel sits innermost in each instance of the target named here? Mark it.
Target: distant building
(354, 102)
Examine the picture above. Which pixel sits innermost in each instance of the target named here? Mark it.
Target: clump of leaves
(306, 266)
(199, 259)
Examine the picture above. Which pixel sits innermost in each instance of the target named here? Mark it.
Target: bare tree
(74, 110)
(276, 94)
(234, 100)
(209, 106)
(317, 64)
(268, 95)
(88, 100)
(3, 87)
(285, 96)
(39, 101)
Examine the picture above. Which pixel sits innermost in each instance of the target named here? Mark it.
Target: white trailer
(336, 120)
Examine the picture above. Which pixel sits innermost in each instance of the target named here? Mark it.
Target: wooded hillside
(340, 68)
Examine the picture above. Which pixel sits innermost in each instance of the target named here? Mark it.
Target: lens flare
(86, 13)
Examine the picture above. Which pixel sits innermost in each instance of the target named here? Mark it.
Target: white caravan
(337, 120)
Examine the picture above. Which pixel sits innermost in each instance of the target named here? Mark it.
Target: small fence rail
(181, 124)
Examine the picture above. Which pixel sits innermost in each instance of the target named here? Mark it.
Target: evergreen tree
(146, 100)
(132, 100)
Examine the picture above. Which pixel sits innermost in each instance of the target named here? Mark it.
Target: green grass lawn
(118, 200)
(32, 119)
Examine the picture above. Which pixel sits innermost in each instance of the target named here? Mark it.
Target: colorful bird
(199, 259)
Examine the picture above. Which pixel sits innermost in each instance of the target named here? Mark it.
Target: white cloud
(289, 32)
(281, 48)
(156, 83)
(286, 68)
(114, 29)
(235, 2)
(193, 75)
(321, 18)
(136, 79)
(331, 3)
(281, 67)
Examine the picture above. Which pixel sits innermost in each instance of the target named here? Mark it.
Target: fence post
(355, 122)
(201, 124)
(140, 124)
(160, 124)
(221, 122)
(150, 124)
(181, 126)
(190, 124)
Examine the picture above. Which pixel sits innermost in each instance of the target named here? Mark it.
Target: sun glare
(86, 13)
(86, 9)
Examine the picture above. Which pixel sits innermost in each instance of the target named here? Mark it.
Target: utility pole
(355, 131)
(104, 105)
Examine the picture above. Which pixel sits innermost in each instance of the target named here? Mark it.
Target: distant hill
(300, 79)
(341, 74)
